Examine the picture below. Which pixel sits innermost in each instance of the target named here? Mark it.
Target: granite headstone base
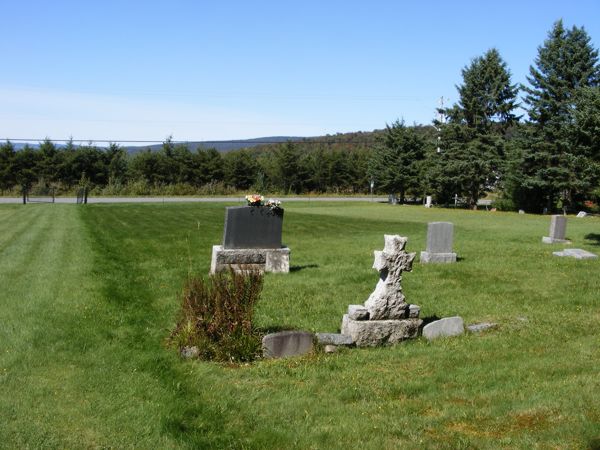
(371, 333)
(551, 240)
(274, 260)
(428, 257)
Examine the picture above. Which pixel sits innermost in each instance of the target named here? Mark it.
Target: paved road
(198, 199)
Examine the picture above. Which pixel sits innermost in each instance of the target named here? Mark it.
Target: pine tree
(473, 139)
(553, 166)
(396, 161)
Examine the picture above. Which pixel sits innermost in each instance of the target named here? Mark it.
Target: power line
(242, 141)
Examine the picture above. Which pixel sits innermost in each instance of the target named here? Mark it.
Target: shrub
(216, 316)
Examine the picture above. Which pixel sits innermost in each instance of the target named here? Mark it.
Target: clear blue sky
(202, 70)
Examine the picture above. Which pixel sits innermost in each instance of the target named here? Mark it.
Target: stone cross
(387, 300)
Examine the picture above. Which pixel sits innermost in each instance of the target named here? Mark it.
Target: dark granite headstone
(252, 227)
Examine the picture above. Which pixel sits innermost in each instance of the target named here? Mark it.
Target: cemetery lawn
(88, 295)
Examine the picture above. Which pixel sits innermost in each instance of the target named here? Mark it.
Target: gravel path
(198, 199)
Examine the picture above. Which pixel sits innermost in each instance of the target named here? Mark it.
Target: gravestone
(558, 229)
(440, 236)
(287, 343)
(581, 214)
(252, 227)
(428, 201)
(386, 317)
(252, 241)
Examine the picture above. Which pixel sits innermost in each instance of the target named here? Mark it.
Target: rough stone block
(414, 311)
(576, 253)
(287, 343)
(427, 257)
(252, 227)
(358, 312)
(334, 339)
(277, 260)
(371, 333)
(446, 327)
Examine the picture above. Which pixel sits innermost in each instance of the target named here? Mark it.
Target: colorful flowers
(259, 200)
(254, 200)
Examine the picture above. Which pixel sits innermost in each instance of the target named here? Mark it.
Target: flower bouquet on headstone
(255, 200)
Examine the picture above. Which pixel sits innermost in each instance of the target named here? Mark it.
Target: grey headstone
(440, 236)
(446, 327)
(576, 253)
(479, 327)
(287, 343)
(358, 312)
(521, 211)
(371, 333)
(252, 227)
(558, 229)
(581, 214)
(334, 339)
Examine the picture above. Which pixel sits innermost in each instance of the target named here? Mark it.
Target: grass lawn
(88, 295)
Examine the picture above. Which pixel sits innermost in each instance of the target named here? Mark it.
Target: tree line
(479, 146)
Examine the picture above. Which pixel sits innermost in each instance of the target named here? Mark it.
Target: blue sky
(127, 70)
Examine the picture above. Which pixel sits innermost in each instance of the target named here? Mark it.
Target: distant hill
(222, 146)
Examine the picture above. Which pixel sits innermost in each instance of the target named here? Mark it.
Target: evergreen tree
(473, 139)
(553, 166)
(487, 96)
(396, 161)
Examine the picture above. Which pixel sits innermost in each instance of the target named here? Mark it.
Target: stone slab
(581, 214)
(334, 339)
(446, 327)
(371, 333)
(427, 257)
(262, 259)
(479, 327)
(439, 237)
(576, 253)
(287, 343)
(252, 227)
(358, 312)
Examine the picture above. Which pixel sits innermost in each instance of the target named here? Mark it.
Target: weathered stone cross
(387, 300)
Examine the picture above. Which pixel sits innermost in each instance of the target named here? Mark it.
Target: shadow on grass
(429, 319)
(593, 237)
(305, 266)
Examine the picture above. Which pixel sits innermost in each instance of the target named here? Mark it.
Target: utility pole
(441, 121)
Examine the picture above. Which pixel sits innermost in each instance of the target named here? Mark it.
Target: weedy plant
(216, 316)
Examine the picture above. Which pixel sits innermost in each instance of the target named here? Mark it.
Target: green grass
(89, 294)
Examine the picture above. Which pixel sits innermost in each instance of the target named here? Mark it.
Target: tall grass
(216, 316)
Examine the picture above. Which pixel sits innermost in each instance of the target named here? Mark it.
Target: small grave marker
(439, 243)
(558, 229)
